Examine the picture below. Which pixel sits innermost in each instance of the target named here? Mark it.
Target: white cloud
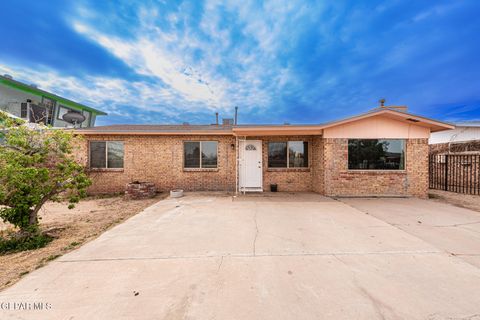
(229, 56)
(111, 95)
(147, 57)
(437, 10)
(228, 72)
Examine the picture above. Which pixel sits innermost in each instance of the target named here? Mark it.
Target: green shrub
(36, 166)
(35, 241)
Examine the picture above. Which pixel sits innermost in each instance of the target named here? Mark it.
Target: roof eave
(151, 133)
(276, 130)
(434, 125)
(39, 92)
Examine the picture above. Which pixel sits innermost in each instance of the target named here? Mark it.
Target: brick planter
(140, 190)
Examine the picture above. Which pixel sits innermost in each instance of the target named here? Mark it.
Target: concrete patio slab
(452, 229)
(214, 257)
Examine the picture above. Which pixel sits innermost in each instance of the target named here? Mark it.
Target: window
(50, 105)
(106, 154)
(297, 154)
(290, 154)
(86, 123)
(376, 154)
(37, 113)
(200, 154)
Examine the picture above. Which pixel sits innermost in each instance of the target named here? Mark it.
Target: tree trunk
(32, 217)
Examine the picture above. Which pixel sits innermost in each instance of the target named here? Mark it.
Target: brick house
(383, 152)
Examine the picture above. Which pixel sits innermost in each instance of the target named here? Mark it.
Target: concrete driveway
(283, 257)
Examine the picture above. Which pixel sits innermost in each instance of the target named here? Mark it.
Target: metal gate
(455, 172)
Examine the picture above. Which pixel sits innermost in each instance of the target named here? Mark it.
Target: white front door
(250, 165)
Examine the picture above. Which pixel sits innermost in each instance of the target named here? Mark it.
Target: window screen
(98, 156)
(209, 154)
(277, 154)
(115, 154)
(297, 154)
(191, 154)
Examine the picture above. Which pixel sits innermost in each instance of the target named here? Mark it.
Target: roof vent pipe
(216, 118)
(236, 115)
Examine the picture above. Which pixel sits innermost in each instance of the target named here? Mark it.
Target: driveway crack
(457, 224)
(382, 310)
(256, 232)
(220, 265)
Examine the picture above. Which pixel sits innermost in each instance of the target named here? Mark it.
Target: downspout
(236, 167)
(244, 167)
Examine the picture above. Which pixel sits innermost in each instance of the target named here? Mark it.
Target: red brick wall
(318, 165)
(159, 159)
(339, 181)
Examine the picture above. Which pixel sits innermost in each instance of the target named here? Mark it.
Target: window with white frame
(200, 154)
(106, 154)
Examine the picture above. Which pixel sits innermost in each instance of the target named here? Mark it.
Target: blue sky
(294, 61)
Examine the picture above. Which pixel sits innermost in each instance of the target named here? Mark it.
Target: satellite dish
(73, 117)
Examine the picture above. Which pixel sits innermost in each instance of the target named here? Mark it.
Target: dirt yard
(457, 199)
(85, 222)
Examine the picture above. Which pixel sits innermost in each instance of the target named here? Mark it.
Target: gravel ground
(86, 221)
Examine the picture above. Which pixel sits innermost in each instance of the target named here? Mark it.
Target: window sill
(200, 169)
(106, 169)
(374, 171)
(288, 170)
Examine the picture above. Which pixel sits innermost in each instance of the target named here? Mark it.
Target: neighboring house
(38, 106)
(465, 138)
(383, 152)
